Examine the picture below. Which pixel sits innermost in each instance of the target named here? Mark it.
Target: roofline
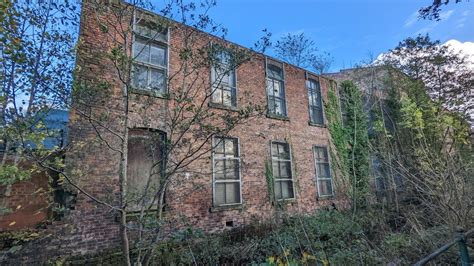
(231, 42)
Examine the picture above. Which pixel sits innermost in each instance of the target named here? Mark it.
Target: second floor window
(323, 171)
(281, 169)
(223, 79)
(226, 171)
(315, 102)
(276, 90)
(150, 59)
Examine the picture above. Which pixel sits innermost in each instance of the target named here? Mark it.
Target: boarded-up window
(281, 168)
(144, 168)
(226, 171)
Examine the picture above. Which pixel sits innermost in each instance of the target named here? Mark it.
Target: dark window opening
(315, 102)
(276, 91)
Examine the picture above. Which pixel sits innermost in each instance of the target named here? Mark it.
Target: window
(315, 102)
(281, 168)
(223, 78)
(276, 90)
(144, 168)
(226, 171)
(150, 58)
(323, 172)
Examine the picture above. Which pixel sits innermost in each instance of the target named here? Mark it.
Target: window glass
(149, 50)
(226, 171)
(275, 90)
(315, 102)
(223, 80)
(323, 172)
(281, 168)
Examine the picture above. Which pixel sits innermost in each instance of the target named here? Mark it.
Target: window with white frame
(323, 172)
(226, 171)
(281, 169)
(223, 79)
(276, 90)
(315, 102)
(150, 58)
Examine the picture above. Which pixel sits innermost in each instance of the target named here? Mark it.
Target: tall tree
(36, 64)
(446, 74)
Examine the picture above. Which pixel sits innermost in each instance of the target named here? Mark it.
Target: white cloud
(411, 19)
(446, 14)
(465, 48)
(426, 29)
(460, 23)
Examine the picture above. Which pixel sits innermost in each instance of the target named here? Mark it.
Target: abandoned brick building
(291, 137)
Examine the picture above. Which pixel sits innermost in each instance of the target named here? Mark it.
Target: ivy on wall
(349, 134)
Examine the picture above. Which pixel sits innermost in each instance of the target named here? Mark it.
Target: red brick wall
(94, 167)
(27, 203)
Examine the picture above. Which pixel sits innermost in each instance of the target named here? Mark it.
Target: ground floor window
(226, 171)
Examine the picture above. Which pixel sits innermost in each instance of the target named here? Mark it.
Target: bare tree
(300, 50)
(322, 62)
(296, 49)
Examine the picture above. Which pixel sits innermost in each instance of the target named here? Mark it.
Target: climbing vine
(270, 182)
(349, 135)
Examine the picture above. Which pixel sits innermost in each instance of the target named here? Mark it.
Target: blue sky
(350, 30)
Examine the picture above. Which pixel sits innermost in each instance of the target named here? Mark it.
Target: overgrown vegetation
(350, 139)
(328, 237)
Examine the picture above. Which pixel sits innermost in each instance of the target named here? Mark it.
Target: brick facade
(90, 227)
(26, 203)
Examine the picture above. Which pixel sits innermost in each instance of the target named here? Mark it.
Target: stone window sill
(278, 117)
(287, 201)
(316, 125)
(150, 93)
(135, 215)
(328, 197)
(223, 107)
(239, 206)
